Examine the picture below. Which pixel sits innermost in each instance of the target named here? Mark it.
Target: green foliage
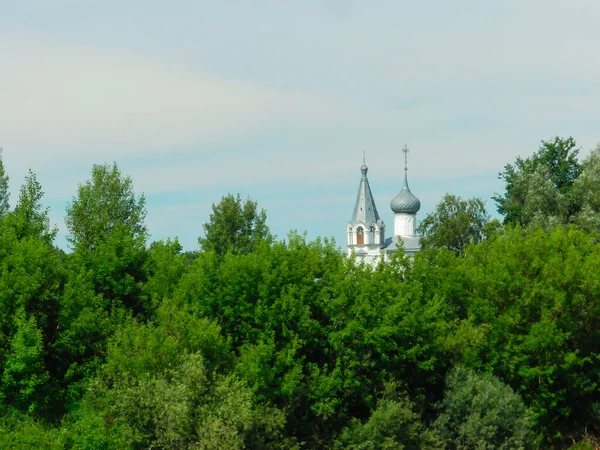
(4, 193)
(85, 323)
(394, 424)
(25, 375)
(104, 206)
(316, 334)
(30, 218)
(157, 390)
(20, 431)
(164, 267)
(30, 278)
(235, 226)
(584, 195)
(455, 224)
(481, 412)
(537, 188)
(537, 291)
(258, 343)
(87, 428)
(108, 234)
(587, 443)
(560, 157)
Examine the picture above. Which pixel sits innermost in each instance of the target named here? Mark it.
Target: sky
(277, 100)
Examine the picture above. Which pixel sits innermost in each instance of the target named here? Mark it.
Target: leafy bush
(481, 412)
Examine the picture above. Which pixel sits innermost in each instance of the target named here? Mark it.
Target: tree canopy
(537, 188)
(235, 226)
(108, 235)
(106, 204)
(455, 224)
(488, 339)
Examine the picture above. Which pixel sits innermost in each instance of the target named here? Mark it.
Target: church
(366, 230)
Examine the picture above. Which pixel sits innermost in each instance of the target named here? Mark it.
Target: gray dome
(405, 201)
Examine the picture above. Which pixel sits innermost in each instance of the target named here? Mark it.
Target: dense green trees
(31, 279)
(162, 386)
(552, 187)
(542, 313)
(486, 339)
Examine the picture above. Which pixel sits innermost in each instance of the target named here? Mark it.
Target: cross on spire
(406, 151)
(364, 158)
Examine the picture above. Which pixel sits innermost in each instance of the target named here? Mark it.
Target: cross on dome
(406, 151)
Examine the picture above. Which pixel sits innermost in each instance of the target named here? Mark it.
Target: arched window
(360, 236)
(350, 240)
(409, 226)
(372, 235)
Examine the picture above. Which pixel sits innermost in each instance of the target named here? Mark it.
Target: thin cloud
(74, 101)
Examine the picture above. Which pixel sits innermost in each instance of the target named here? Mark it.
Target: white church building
(366, 230)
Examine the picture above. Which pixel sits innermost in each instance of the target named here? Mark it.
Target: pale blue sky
(278, 99)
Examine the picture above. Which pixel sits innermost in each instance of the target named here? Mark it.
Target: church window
(360, 236)
(409, 226)
(372, 235)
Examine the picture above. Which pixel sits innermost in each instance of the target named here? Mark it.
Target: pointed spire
(365, 210)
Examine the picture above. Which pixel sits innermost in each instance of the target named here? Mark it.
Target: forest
(488, 339)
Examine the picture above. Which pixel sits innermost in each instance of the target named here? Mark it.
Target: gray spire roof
(405, 201)
(365, 210)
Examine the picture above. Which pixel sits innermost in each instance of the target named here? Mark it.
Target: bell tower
(365, 230)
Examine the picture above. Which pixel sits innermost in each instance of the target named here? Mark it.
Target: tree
(31, 278)
(585, 194)
(107, 231)
(394, 424)
(534, 290)
(455, 224)
(555, 167)
(481, 412)
(160, 388)
(104, 205)
(235, 226)
(30, 218)
(4, 194)
(24, 373)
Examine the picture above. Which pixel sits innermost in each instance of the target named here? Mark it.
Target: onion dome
(405, 202)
